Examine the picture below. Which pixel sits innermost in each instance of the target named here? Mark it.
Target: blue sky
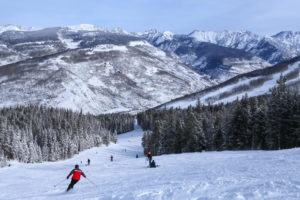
(179, 16)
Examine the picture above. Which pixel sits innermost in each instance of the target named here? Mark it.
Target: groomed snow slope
(214, 96)
(209, 175)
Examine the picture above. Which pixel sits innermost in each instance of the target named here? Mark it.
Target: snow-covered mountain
(101, 70)
(11, 27)
(17, 44)
(258, 82)
(244, 51)
(96, 71)
(274, 49)
(207, 57)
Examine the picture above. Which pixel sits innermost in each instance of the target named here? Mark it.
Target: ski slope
(210, 175)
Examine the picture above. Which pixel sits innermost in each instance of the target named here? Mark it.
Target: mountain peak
(200, 34)
(157, 37)
(11, 27)
(90, 27)
(85, 27)
(286, 34)
(168, 35)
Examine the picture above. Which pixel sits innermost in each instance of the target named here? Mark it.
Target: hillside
(97, 71)
(258, 82)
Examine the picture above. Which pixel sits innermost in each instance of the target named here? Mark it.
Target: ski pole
(59, 183)
(89, 179)
(92, 182)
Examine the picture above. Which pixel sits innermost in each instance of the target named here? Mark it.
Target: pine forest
(269, 122)
(36, 133)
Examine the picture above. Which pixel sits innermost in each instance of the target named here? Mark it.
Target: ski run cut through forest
(207, 175)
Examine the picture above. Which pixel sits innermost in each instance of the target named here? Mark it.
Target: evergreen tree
(238, 136)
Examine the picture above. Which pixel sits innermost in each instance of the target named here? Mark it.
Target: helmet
(149, 152)
(76, 166)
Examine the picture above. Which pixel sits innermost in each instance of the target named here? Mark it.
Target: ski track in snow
(209, 175)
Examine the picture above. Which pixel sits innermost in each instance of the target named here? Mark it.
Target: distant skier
(149, 158)
(111, 158)
(88, 162)
(137, 156)
(153, 165)
(76, 176)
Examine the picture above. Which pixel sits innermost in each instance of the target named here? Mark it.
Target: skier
(111, 158)
(88, 161)
(76, 176)
(149, 158)
(137, 156)
(153, 165)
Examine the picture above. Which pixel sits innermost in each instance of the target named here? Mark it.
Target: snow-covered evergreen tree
(36, 133)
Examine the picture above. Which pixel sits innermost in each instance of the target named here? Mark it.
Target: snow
(209, 175)
(3, 78)
(96, 82)
(146, 47)
(186, 102)
(84, 99)
(117, 110)
(71, 44)
(90, 27)
(287, 43)
(157, 37)
(246, 40)
(109, 78)
(139, 43)
(109, 47)
(85, 27)
(168, 35)
(241, 66)
(10, 27)
(265, 88)
(68, 42)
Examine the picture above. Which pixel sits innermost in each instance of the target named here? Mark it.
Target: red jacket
(76, 174)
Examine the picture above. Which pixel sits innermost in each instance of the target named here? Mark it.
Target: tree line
(268, 122)
(37, 133)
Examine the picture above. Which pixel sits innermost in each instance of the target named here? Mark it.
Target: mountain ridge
(122, 71)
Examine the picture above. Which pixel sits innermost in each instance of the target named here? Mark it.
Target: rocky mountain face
(223, 55)
(219, 62)
(274, 49)
(97, 71)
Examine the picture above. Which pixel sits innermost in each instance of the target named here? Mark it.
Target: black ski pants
(149, 159)
(73, 182)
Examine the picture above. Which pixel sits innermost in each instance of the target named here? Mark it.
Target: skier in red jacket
(76, 176)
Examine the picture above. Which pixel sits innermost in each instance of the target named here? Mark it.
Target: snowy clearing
(109, 47)
(209, 175)
(139, 43)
